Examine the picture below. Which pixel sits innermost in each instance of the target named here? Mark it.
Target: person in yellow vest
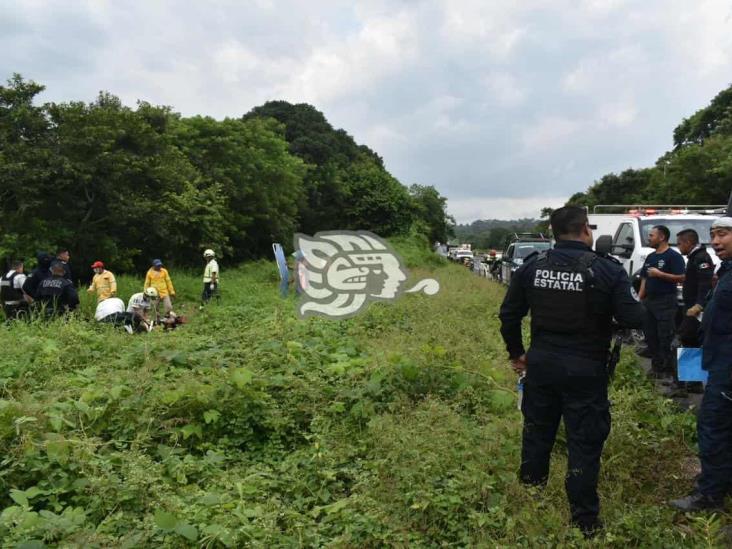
(158, 278)
(103, 283)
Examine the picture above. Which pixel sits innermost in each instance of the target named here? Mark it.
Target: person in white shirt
(14, 301)
(108, 308)
(141, 304)
(210, 277)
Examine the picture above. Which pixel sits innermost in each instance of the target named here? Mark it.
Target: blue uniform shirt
(671, 262)
(717, 324)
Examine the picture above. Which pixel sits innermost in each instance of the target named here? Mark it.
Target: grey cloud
(490, 102)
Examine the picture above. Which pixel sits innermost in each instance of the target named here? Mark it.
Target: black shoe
(697, 502)
(589, 528)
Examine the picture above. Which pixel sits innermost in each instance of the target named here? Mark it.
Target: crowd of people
(49, 292)
(566, 370)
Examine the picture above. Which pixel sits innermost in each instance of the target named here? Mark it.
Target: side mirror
(604, 244)
(622, 250)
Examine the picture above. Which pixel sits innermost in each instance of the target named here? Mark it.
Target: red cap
(97, 264)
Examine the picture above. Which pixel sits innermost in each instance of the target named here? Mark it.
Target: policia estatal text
(573, 295)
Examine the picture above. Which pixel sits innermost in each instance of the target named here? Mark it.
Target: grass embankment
(248, 427)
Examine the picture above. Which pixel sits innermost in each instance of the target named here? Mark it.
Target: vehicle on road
(630, 238)
(518, 248)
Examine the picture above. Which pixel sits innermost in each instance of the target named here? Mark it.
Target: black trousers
(583, 403)
(122, 319)
(714, 428)
(208, 293)
(13, 312)
(659, 328)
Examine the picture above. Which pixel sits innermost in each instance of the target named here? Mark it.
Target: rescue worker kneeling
(573, 295)
(56, 295)
(112, 311)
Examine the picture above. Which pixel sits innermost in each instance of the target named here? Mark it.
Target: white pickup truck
(629, 230)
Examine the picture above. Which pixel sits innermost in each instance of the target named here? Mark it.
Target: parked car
(519, 247)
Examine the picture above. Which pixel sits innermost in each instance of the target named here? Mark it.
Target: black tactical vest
(8, 293)
(559, 294)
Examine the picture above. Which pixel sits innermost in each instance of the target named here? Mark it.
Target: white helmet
(209, 253)
(151, 292)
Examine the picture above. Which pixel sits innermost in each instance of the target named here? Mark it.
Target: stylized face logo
(345, 270)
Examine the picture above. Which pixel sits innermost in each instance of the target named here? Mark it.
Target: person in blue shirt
(714, 422)
(661, 272)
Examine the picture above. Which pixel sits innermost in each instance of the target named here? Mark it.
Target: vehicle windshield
(523, 249)
(676, 225)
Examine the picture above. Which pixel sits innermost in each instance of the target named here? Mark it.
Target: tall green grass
(249, 427)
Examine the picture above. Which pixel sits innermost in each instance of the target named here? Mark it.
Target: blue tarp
(690, 361)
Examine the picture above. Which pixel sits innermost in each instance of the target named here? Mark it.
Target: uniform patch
(704, 265)
(558, 280)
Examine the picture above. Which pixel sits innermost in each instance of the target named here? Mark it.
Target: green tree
(377, 201)
(260, 181)
(716, 118)
(28, 163)
(431, 209)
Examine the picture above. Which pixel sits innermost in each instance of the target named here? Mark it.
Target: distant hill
(492, 233)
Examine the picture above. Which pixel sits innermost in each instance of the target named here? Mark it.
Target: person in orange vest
(157, 277)
(103, 283)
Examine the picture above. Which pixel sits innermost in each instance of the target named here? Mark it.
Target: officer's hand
(519, 364)
(694, 311)
(653, 272)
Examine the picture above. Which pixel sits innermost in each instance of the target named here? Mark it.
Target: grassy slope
(250, 427)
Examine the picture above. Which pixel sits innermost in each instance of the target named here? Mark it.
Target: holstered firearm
(614, 357)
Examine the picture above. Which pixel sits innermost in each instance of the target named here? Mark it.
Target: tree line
(130, 184)
(492, 233)
(698, 170)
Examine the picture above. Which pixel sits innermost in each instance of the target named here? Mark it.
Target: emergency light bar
(658, 209)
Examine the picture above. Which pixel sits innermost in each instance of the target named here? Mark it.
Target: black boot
(589, 527)
(697, 502)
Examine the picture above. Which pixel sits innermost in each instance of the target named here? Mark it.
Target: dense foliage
(697, 171)
(126, 185)
(248, 427)
(492, 233)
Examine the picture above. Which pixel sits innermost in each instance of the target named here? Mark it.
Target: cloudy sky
(504, 106)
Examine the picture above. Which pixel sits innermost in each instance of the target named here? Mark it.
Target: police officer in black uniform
(573, 295)
(40, 273)
(11, 295)
(714, 422)
(699, 270)
(57, 295)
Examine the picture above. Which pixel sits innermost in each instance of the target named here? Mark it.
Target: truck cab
(630, 241)
(519, 247)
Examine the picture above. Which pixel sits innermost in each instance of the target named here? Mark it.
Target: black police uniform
(699, 275)
(67, 269)
(714, 422)
(12, 298)
(57, 295)
(40, 273)
(573, 295)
